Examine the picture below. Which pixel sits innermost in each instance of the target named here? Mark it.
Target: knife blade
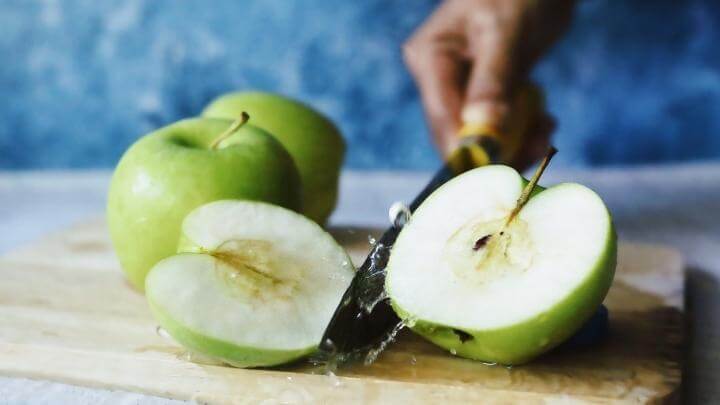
(364, 321)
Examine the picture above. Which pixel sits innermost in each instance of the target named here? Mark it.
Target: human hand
(469, 58)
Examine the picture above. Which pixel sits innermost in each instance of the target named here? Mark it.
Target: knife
(364, 322)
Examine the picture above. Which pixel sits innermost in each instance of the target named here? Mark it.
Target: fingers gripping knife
(364, 319)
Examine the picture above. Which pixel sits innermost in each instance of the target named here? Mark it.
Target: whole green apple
(175, 169)
(312, 140)
(486, 280)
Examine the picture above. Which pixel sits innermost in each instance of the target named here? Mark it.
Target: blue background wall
(634, 81)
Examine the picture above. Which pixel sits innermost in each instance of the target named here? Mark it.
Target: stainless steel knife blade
(364, 321)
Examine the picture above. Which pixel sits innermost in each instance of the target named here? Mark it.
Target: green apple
(312, 140)
(173, 170)
(490, 273)
(255, 284)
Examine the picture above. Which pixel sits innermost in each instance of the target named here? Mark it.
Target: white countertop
(678, 205)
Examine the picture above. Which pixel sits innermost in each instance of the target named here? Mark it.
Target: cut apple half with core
(254, 285)
(484, 286)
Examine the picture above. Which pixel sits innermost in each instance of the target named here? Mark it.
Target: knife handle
(482, 144)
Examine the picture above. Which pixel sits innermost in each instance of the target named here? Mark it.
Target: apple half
(254, 285)
(470, 279)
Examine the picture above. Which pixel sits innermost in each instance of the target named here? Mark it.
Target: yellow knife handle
(528, 107)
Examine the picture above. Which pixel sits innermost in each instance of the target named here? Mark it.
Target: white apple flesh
(254, 285)
(484, 288)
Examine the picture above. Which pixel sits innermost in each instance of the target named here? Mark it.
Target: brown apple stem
(527, 191)
(244, 117)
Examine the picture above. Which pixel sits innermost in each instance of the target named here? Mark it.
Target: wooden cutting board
(67, 314)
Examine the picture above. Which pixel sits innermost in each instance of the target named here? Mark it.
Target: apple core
(255, 269)
(484, 251)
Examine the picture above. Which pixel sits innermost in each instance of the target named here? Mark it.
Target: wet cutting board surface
(68, 315)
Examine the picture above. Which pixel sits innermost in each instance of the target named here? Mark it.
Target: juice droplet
(371, 240)
(373, 354)
(330, 345)
(410, 322)
(413, 360)
(334, 380)
(368, 307)
(160, 331)
(453, 351)
(398, 214)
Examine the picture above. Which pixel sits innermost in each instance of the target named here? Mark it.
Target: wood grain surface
(67, 314)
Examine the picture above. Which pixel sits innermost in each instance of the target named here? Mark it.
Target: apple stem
(527, 191)
(244, 117)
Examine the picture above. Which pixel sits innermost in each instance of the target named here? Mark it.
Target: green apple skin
(522, 342)
(168, 173)
(226, 352)
(315, 144)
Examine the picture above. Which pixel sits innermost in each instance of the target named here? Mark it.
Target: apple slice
(489, 285)
(255, 284)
